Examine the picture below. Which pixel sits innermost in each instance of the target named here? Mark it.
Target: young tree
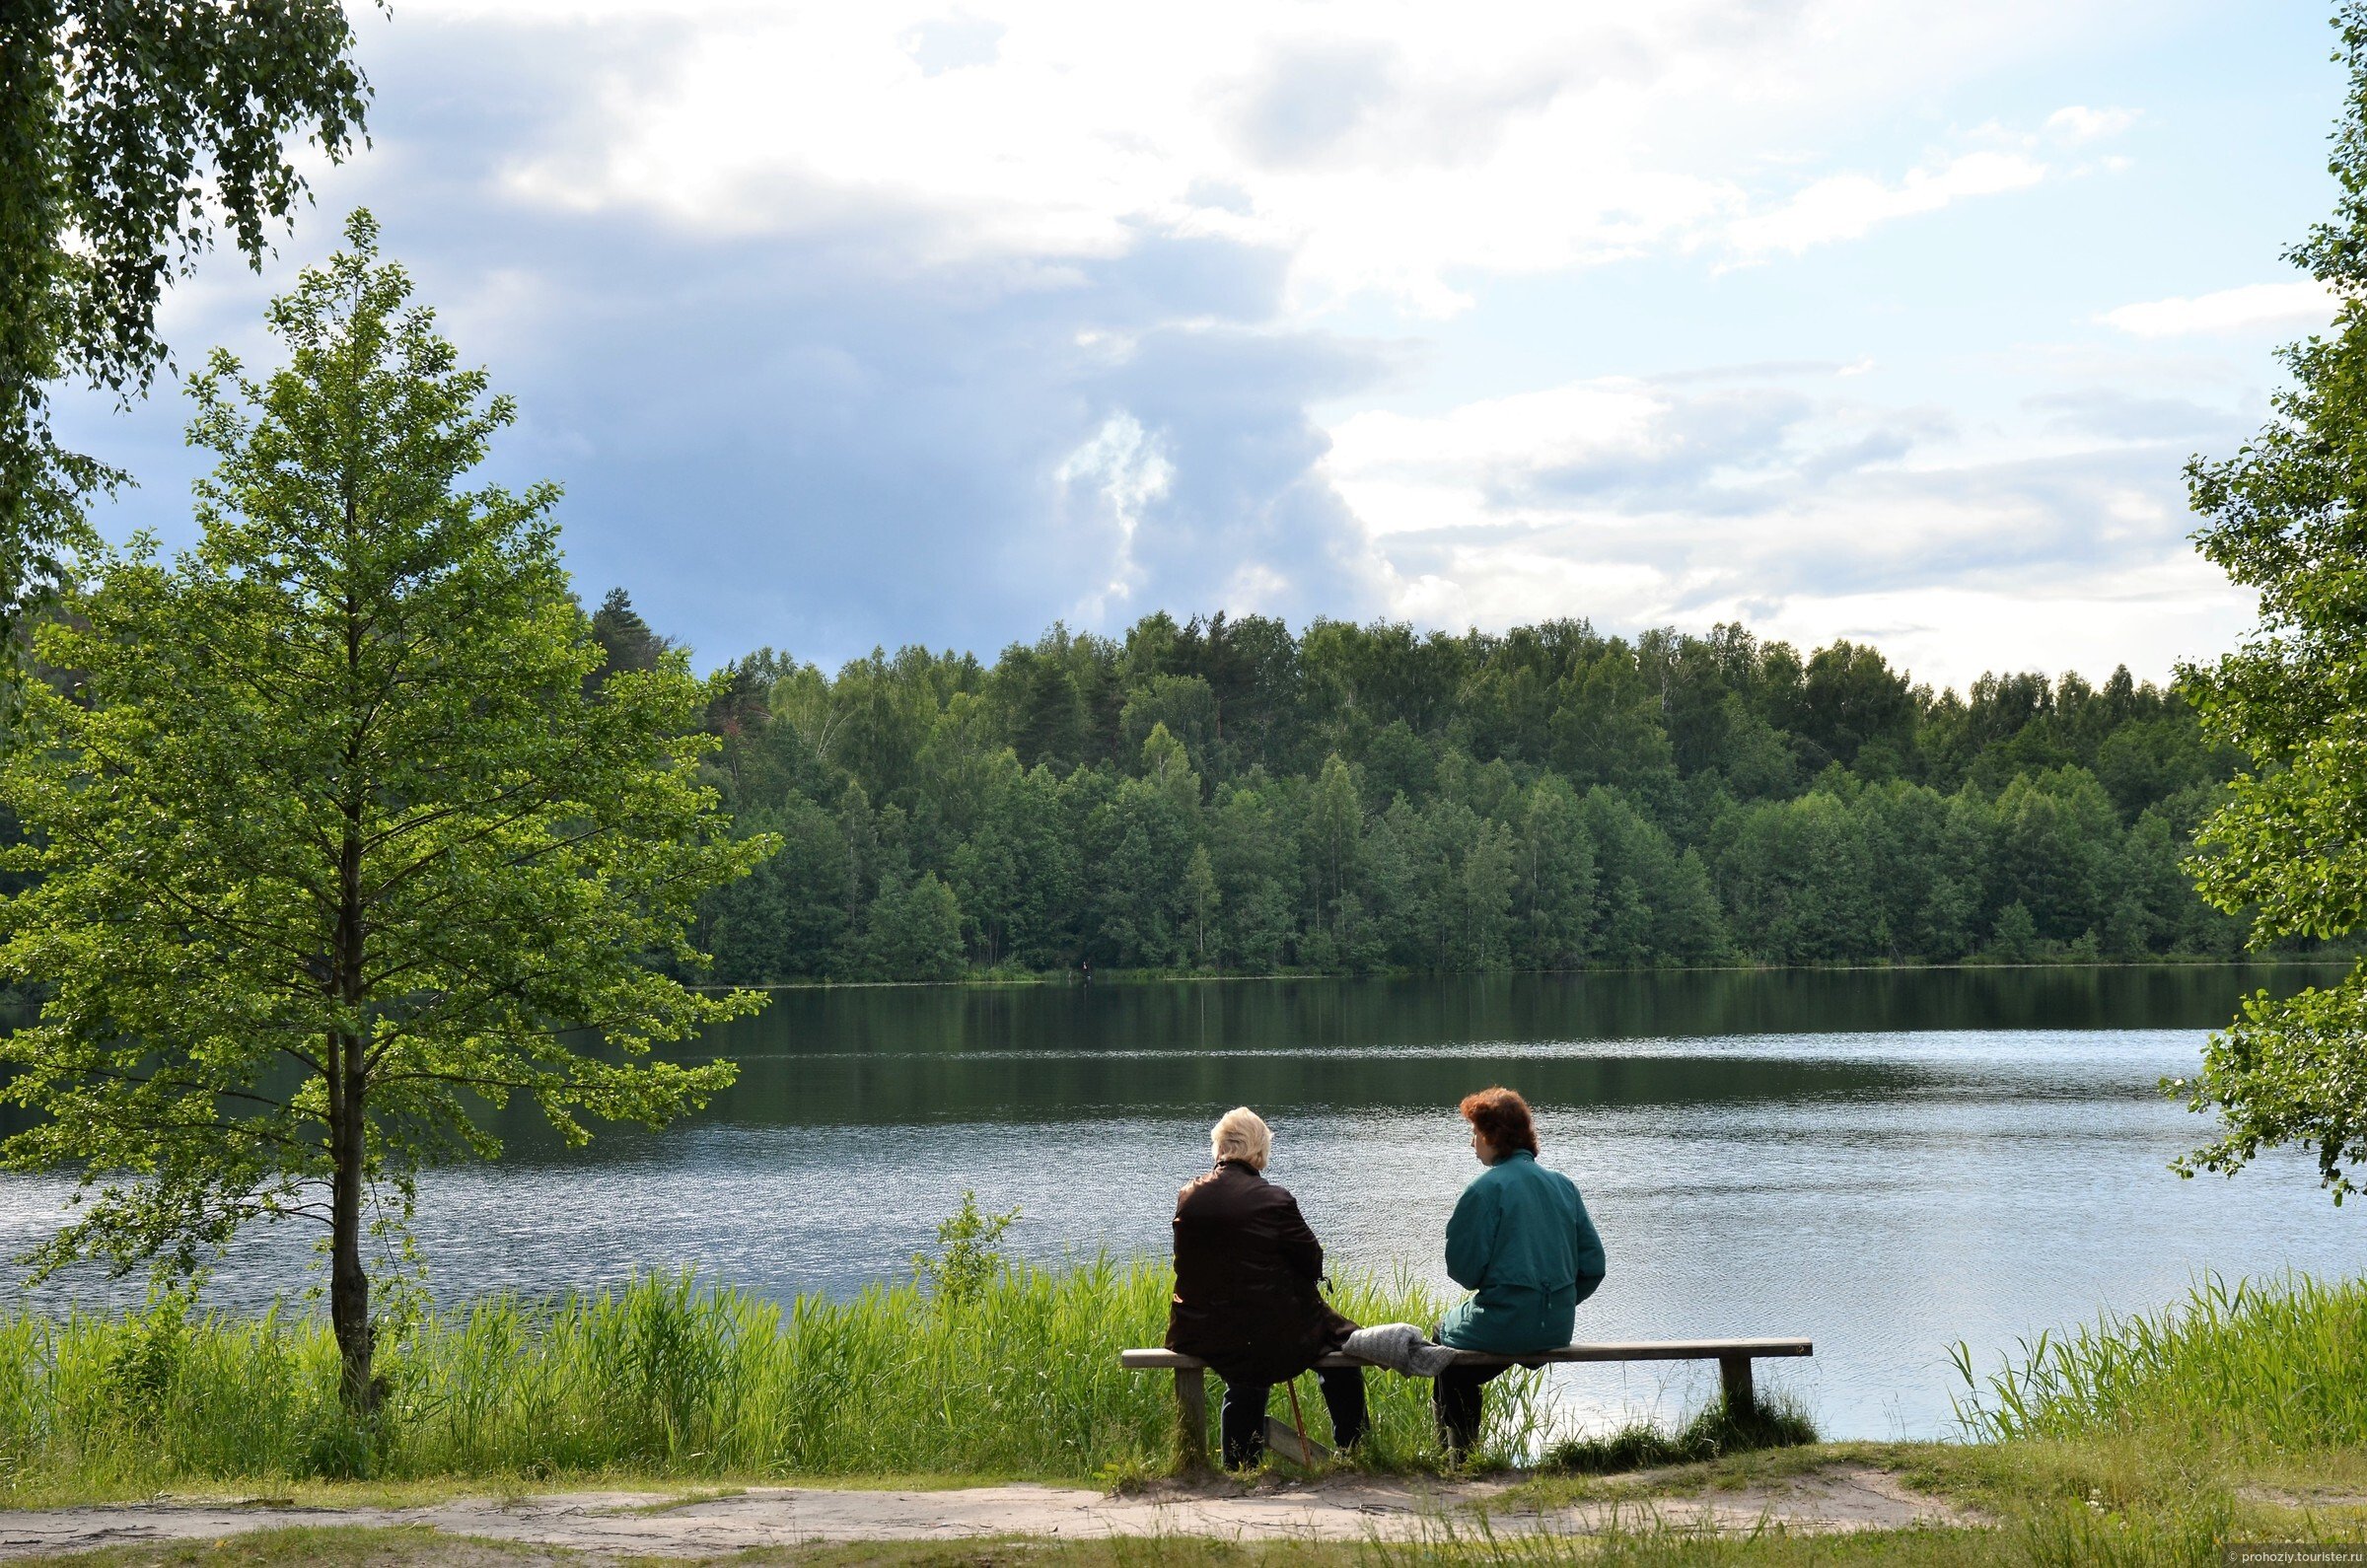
(335, 851)
(1556, 868)
(127, 132)
(1199, 899)
(625, 640)
(913, 931)
(2286, 518)
(1251, 853)
(1335, 826)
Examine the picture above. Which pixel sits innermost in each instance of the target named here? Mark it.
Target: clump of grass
(1015, 1376)
(1648, 1536)
(1774, 1421)
(2258, 1369)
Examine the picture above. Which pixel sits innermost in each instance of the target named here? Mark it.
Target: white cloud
(2303, 304)
(942, 314)
(1119, 472)
(1386, 147)
(1848, 206)
(2077, 124)
(1796, 509)
(1404, 474)
(2148, 618)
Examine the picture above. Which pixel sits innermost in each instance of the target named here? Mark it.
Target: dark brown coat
(1246, 1267)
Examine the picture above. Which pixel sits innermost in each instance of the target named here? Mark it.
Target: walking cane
(1291, 1441)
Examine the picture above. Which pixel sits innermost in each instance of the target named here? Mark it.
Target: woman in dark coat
(1246, 1267)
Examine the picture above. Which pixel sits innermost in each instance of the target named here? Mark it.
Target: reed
(668, 1376)
(2258, 1368)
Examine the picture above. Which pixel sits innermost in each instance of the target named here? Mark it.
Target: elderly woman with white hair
(1245, 1302)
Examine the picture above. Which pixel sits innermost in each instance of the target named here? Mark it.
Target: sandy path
(630, 1524)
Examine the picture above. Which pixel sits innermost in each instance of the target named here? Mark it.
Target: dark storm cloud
(818, 440)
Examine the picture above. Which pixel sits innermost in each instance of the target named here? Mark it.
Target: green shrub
(967, 1259)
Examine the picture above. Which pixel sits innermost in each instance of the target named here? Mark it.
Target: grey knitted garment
(1401, 1348)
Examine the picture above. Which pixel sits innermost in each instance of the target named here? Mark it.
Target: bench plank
(1720, 1350)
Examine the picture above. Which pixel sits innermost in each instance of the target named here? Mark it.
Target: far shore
(1072, 978)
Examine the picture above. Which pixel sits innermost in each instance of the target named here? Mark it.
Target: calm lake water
(1888, 1163)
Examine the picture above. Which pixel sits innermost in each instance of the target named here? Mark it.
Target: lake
(1887, 1161)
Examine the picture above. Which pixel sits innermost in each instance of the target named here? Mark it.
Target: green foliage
(1223, 795)
(967, 1259)
(2285, 521)
(913, 931)
(1198, 901)
(625, 641)
(2017, 934)
(1774, 1421)
(128, 133)
(665, 1377)
(335, 851)
(2259, 1369)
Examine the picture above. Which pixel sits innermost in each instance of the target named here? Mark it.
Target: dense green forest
(1221, 794)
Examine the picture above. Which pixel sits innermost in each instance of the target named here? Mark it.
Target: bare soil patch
(624, 1525)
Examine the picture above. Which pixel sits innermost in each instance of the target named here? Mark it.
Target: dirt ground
(624, 1525)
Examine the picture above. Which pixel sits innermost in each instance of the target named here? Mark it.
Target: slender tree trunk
(349, 1281)
(350, 1121)
(349, 1132)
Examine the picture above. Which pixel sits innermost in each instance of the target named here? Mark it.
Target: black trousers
(1242, 1414)
(1455, 1401)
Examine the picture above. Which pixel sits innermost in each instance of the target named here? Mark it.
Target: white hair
(1240, 1134)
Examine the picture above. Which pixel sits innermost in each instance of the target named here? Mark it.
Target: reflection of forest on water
(1464, 1009)
(890, 1055)
(871, 1055)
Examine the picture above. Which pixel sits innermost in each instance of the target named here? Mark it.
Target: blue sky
(846, 326)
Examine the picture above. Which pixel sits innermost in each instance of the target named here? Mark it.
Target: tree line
(1222, 794)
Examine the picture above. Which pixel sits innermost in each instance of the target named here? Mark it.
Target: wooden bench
(1732, 1356)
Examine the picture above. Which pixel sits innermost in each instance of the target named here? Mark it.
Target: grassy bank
(2240, 1416)
(2251, 1370)
(1015, 1374)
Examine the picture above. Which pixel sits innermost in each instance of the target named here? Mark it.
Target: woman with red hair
(1521, 1242)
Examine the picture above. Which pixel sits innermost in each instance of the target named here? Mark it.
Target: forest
(1218, 795)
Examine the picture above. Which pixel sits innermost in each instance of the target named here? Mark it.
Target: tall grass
(665, 1377)
(2257, 1368)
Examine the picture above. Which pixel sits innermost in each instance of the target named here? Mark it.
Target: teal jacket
(1522, 1241)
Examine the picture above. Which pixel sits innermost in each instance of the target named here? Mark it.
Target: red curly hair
(1501, 1117)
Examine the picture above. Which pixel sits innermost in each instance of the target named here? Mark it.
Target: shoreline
(1069, 979)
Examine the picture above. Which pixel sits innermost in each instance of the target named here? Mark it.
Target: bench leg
(1191, 1417)
(1735, 1372)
